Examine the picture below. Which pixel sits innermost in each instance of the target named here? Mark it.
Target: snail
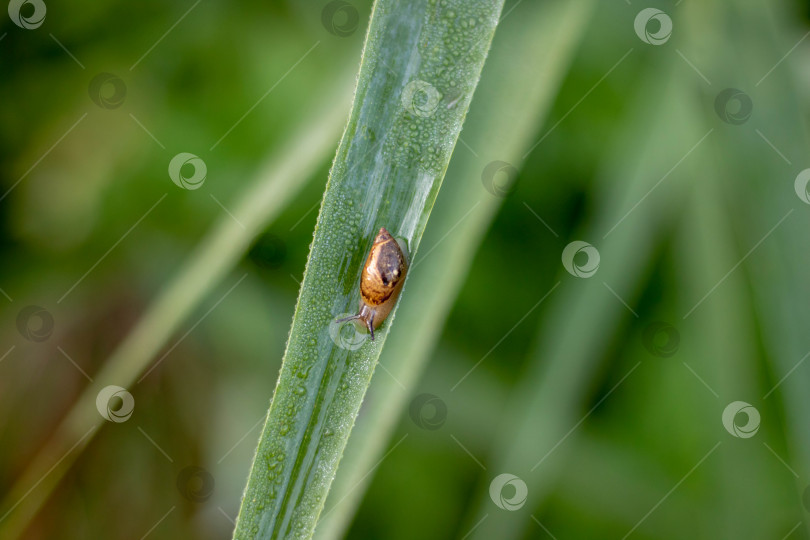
(380, 282)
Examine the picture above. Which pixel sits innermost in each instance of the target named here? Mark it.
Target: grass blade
(421, 64)
(283, 175)
(756, 192)
(551, 396)
(508, 105)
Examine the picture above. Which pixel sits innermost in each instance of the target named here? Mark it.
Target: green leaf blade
(420, 67)
(509, 104)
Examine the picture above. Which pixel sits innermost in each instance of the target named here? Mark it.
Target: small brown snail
(382, 279)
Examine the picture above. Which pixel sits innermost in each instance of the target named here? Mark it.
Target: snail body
(381, 281)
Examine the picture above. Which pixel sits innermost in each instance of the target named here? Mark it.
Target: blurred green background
(606, 401)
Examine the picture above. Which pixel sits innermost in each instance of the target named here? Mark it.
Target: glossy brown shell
(382, 279)
(384, 271)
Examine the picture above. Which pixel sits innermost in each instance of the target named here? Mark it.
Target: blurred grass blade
(421, 64)
(283, 175)
(757, 192)
(779, 271)
(723, 340)
(552, 395)
(508, 106)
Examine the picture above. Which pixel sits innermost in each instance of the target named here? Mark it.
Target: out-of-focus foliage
(724, 232)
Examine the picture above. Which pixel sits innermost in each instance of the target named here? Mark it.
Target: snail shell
(381, 281)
